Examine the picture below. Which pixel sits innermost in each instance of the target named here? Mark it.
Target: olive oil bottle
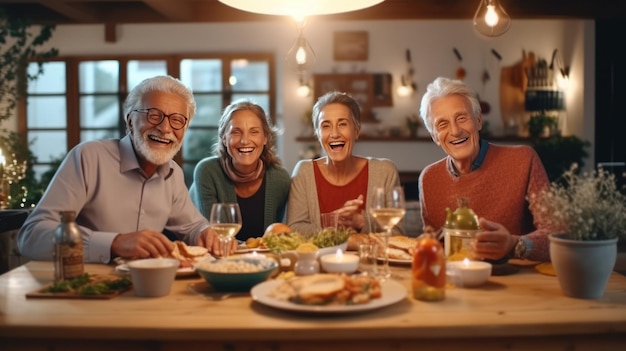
(68, 248)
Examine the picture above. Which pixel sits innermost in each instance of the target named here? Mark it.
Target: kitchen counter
(521, 311)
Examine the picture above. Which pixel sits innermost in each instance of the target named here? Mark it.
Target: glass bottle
(68, 248)
(459, 230)
(429, 269)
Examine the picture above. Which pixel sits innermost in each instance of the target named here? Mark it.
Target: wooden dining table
(525, 310)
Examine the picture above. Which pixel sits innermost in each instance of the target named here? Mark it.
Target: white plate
(244, 249)
(392, 292)
(180, 272)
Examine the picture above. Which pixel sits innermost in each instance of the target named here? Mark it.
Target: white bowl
(332, 249)
(468, 274)
(153, 277)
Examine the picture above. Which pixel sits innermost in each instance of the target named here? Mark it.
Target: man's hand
(209, 239)
(141, 244)
(494, 242)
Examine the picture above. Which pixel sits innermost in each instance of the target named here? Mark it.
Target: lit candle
(468, 273)
(340, 263)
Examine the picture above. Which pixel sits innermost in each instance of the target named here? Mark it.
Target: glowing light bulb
(490, 19)
(404, 90)
(301, 56)
(303, 90)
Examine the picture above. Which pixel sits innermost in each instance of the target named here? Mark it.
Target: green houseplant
(587, 212)
(21, 42)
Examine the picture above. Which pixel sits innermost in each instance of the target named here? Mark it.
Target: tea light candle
(468, 273)
(340, 263)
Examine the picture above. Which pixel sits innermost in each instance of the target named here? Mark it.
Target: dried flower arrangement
(587, 205)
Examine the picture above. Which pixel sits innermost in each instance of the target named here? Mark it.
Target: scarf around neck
(238, 177)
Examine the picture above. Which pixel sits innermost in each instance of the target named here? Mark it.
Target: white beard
(156, 157)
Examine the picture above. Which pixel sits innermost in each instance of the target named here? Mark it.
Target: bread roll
(356, 239)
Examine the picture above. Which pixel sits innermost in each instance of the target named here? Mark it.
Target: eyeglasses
(156, 117)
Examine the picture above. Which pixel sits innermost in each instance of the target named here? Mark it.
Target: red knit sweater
(498, 190)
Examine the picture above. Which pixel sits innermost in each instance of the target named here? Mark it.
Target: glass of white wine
(225, 220)
(388, 208)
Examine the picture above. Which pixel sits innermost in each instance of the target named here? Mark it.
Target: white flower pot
(582, 268)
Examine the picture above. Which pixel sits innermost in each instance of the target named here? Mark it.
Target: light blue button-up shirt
(102, 182)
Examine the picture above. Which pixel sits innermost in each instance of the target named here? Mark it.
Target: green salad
(282, 242)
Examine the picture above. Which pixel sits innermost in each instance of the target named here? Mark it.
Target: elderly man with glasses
(127, 191)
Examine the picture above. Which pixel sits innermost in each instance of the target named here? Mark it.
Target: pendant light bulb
(490, 19)
(301, 56)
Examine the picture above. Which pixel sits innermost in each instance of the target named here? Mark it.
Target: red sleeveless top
(332, 197)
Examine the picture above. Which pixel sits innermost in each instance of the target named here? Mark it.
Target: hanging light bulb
(490, 19)
(301, 56)
(304, 89)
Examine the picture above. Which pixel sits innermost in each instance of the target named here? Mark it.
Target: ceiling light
(301, 56)
(490, 19)
(300, 8)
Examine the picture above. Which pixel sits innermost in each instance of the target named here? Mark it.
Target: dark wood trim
(386, 139)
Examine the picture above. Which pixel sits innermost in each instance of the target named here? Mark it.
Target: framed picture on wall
(350, 46)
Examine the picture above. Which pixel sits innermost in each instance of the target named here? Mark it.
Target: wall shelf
(406, 138)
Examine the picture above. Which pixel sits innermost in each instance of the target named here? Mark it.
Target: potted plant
(542, 125)
(588, 212)
(413, 123)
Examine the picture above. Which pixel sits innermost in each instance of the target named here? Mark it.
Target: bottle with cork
(68, 248)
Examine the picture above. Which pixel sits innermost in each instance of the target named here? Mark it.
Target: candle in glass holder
(340, 263)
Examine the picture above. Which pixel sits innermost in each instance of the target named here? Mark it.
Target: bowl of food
(153, 277)
(236, 274)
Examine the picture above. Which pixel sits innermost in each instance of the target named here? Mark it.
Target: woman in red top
(341, 181)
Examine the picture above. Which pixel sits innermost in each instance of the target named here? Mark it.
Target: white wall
(431, 44)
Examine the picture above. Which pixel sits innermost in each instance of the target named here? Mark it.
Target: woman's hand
(351, 214)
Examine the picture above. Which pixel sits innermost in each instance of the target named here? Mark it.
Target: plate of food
(328, 293)
(187, 255)
(252, 245)
(85, 286)
(400, 249)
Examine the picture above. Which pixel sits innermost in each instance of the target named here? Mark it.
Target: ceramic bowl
(332, 250)
(153, 277)
(223, 274)
(468, 274)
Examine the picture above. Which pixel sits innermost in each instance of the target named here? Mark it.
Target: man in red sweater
(497, 180)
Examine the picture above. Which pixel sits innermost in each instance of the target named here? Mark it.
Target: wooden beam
(177, 11)
(76, 12)
(110, 32)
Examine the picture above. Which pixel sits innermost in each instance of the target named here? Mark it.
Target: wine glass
(388, 208)
(225, 220)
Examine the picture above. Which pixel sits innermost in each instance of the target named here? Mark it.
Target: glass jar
(458, 232)
(429, 269)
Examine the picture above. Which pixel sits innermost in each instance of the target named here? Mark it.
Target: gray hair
(269, 155)
(442, 87)
(335, 97)
(167, 84)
